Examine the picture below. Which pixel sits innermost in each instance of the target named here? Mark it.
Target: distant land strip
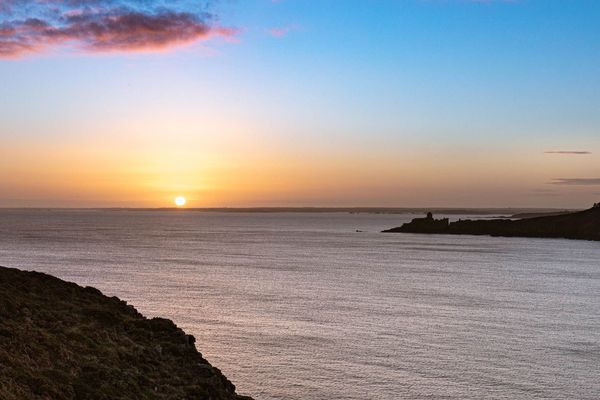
(508, 212)
(581, 225)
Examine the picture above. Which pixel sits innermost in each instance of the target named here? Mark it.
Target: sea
(323, 306)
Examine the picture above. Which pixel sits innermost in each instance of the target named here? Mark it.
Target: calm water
(301, 306)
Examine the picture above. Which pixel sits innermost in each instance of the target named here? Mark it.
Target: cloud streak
(576, 181)
(567, 152)
(101, 26)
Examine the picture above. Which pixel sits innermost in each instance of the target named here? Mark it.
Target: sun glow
(180, 201)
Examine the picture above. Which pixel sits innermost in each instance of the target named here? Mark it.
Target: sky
(405, 103)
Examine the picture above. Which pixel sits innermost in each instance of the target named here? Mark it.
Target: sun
(180, 201)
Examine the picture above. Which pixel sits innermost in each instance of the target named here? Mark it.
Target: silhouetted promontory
(583, 225)
(61, 341)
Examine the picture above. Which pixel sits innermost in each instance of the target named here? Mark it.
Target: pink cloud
(107, 31)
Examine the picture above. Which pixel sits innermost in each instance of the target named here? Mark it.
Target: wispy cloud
(282, 30)
(33, 26)
(576, 181)
(567, 152)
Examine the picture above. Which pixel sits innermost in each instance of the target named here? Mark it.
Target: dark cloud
(576, 181)
(567, 152)
(101, 25)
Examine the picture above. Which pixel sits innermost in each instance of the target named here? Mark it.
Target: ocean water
(301, 306)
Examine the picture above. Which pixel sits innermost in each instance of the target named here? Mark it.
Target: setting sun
(180, 201)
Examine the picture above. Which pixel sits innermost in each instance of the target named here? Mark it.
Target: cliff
(62, 341)
(583, 225)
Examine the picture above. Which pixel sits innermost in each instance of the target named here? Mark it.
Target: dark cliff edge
(582, 225)
(60, 341)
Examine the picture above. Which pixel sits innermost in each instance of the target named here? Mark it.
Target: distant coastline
(509, 211)
(582, 225)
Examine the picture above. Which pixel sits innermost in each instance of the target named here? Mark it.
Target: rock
(79, 344)
(190, 340)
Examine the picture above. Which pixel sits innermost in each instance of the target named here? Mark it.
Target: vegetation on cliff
(61, 341)
(584, 225)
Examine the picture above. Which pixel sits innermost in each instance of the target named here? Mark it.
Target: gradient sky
(300, 103)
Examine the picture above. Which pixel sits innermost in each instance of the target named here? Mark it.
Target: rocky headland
(582, 225)
(61, 341)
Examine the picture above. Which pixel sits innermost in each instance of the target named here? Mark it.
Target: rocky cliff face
(61, 341)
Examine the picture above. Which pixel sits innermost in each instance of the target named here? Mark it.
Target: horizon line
(266, 209)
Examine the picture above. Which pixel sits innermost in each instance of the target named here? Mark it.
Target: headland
(582, 225)
(61, 341)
